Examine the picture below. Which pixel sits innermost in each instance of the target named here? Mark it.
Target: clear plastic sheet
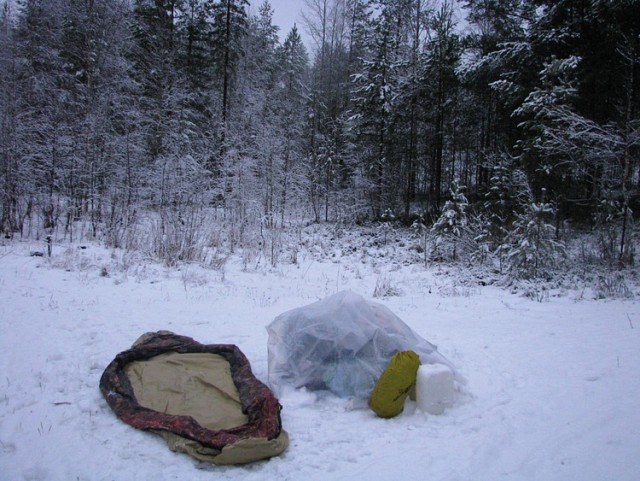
(340, 344)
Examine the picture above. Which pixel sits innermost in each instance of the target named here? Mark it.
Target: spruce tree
(451, 228)
(374, 94)
(439, 74)
(229, 29)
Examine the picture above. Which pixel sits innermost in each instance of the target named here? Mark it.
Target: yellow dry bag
(394, 385)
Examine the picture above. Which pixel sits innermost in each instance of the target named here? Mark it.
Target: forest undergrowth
(583, 263)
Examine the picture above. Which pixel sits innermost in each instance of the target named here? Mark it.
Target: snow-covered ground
(554, 385)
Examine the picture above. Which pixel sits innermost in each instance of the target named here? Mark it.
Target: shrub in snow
(480, 226)
(612, 285)
(452, 225)
(608, 218)
(176, 236)
(385, 287)
(386, 226)
(421, 230)
(507, 191)
(531, 248)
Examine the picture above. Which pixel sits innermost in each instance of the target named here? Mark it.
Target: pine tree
(410, 111)
(443, 53)
(91, 42)
(328, 159)
(154, 61)
(451, 228)
(507, 196)
(43, 135)
(229, 29)
(495, 76)
(254, 126)
(293, 89)
(374, 94)
(503, 197)
(533, 250)
(583, 110)
(194, 53)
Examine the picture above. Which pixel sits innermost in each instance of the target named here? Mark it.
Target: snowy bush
(386, 226)
(607, 219)
(420, 229)
(612, 285)
(507, 192)
(480, 226)
(73, 259)
(451, 228)
(180, 236)
(531, 248)
(385, 287)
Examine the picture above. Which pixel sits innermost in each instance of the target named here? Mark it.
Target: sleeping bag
(202, 399)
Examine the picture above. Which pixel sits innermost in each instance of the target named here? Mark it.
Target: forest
(493, 130)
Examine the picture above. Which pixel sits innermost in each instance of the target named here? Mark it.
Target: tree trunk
(626, 158)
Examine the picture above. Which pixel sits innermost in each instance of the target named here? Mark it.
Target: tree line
(487, 121)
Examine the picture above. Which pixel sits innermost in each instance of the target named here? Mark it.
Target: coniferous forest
(494, 130)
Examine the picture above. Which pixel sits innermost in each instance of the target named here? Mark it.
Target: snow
(553, 386)
(434, 388)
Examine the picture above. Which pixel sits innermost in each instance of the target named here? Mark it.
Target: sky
(286, 13)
